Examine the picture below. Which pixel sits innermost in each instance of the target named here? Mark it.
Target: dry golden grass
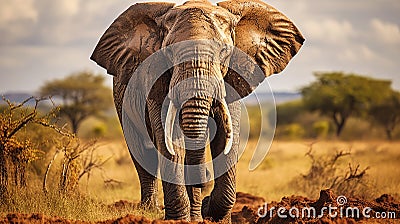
(271, 180)
(286, 160)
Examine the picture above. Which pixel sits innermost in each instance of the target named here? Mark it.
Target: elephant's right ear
(266, 36)
(131, 38)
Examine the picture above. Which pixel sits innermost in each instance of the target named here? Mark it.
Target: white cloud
(15, 17)
(15, 10)
(50, 22)
(386, 31)
(329, 31)
(57, 9)
(48, 38)
(70, 7)
(358, 53)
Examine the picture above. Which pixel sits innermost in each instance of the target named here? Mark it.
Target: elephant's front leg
(194, 194)
(195, 177)
(148, 187)
(145, 159)
(219, 204)
(176, 201)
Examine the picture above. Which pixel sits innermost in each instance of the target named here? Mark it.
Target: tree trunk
(390, 126)
(339, 128)
(339, 121)
(3, 172)
(75, 126)
(389, 134)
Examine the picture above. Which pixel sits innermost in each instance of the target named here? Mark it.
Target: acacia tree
(339, 95)
(287, 113)
(82, 95)
(17, 152)
(387, 113)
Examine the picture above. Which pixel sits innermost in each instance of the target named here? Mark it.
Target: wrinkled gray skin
(268, 37)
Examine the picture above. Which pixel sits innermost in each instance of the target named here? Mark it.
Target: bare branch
(12, 106)
(58, 130)
(48, 170)
(22, 123)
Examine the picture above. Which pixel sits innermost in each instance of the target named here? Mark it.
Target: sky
(41, 40)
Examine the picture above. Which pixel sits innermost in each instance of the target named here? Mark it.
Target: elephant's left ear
(264, 34)
(131, 38)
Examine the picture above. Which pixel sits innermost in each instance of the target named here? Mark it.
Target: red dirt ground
(247, 206)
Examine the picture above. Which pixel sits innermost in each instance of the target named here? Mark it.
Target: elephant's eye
(225, 53)
(168, 53)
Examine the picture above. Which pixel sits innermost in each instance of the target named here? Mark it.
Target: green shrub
(321, 129)
(289, 112)
(294, 131)
(99, 130)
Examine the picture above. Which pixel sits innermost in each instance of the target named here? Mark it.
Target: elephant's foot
(148, 187)
(205, 207)
(227, 219)
(184, 217)
(195, 214)
(178, 212)
(196, 218)
(194, 194)
(176, 202)
(215, 216)
(150, 204)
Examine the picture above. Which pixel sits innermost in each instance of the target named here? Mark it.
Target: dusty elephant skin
(203, 83)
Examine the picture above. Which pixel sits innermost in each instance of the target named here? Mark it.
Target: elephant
(176, 70)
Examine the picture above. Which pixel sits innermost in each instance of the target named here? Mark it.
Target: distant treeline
(345, 106)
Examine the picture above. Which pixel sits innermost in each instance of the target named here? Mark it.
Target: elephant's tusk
(228, 126)
(169, 127)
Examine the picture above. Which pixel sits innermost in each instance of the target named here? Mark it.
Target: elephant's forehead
(204, 8)
(196, 20)
(203, 2)
(196, 4)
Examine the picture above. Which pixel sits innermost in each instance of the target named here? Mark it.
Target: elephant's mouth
(194, 117)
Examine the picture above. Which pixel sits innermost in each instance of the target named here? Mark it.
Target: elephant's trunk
(194, 120)
(194, 117)
(194, 86)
